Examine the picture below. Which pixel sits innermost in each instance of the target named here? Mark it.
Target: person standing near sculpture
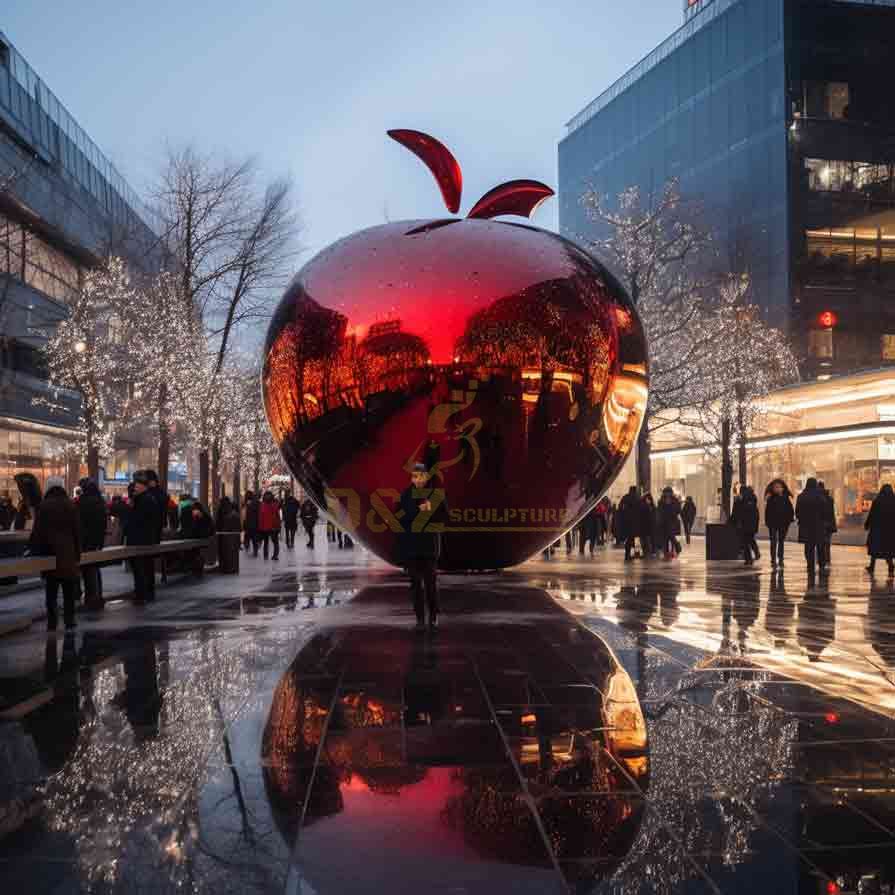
(745, 519)
(250, 524)
(422, 518)
(880, 527)
(778, 516)
(309, 516)
(812, 515)
(290, 519)
(669, 520)
(628, 518)
(269, 524)
(57, 533)
(144, 527)
(688, 516)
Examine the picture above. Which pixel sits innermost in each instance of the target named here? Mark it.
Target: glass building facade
(775, 116)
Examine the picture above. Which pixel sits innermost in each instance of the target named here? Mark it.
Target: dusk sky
(311, 88)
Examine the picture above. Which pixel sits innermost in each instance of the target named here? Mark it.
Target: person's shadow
(879, 624)
(816, 627)
(780, 612)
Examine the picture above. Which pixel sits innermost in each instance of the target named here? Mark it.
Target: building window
(826, 99)
(835, 175)
(888, 346)
(29, 258)
(820, 343)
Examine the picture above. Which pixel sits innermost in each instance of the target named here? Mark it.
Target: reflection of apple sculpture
(502, 356)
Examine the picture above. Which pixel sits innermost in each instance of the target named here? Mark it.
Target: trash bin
(722, 542)
(228, 552)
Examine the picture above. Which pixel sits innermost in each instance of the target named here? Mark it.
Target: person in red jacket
(269, 523)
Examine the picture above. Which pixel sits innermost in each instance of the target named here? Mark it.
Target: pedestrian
(778, 516)
(688, 516)
(291, 508)
(143, 529)
(309, 516)
(56, 532)
(119, 511)
(160, 497)
(26, 511)
(628, 520)
(7, 511)
(811, 514)
(227, 516)
(745, 519)
(830, 527)
(601, 521)
(269, 524)
(880, 527)
(185, 516)
(420, 544)
(669, 520)
(648, 526)
(93, 520)
(203, 528)
(250, 525)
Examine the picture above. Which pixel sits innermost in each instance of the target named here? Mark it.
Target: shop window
(888, 346)
(820, 343)
(836, 175)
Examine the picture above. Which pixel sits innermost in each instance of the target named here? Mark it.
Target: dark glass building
(778, 117)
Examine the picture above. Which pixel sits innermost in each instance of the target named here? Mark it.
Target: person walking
(419, 544)
(778, 516)
(269, 524)
(252, 513)
(830, 527)
(291, 509)
(57, 532)
(93, 520)
(688, 516)
(648, 526)
(628, 520)
(811, 514)
(309, 517)
(143, 529)
(745, 519)
(880, 527)
(669, 518)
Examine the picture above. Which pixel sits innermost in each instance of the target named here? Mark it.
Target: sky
(309, 88)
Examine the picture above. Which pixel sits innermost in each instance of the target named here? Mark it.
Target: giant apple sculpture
(502, 356)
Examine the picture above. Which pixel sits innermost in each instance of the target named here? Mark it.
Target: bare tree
(663, 258)
(232, 247)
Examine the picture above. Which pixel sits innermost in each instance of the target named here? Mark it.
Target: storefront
(33, 450)
(840, 431)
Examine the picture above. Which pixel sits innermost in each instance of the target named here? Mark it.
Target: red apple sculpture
(502, 356)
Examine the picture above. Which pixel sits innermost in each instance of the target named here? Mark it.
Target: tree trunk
(93, 464)
(164, 455)
(741, 439)
(726, 471)
(256, 476)
(237, 482)
(203, 477)
(644, 465)
(215, 474)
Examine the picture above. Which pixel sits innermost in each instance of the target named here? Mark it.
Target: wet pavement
(574, 725)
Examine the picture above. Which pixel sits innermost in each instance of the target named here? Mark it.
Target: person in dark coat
(203, 527)
(880, 527)
(419, 544)
(688, 516)
(26, 511)
(309, 516)
(669, 516)
(250, 526)
(227, 516)
(648, 526)
(269, 524)
(7, 512)
(160, 497)
(144, 526)
(778, 516)
(57, 532)
(812, 511)
(831, 527)
(745, 519)
(120, 510)
(628, 520)
(93, 521)
(291, 508)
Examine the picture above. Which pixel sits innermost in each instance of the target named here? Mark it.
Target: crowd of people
(67, 527)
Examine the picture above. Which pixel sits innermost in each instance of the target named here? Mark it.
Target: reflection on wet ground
(685, 731)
